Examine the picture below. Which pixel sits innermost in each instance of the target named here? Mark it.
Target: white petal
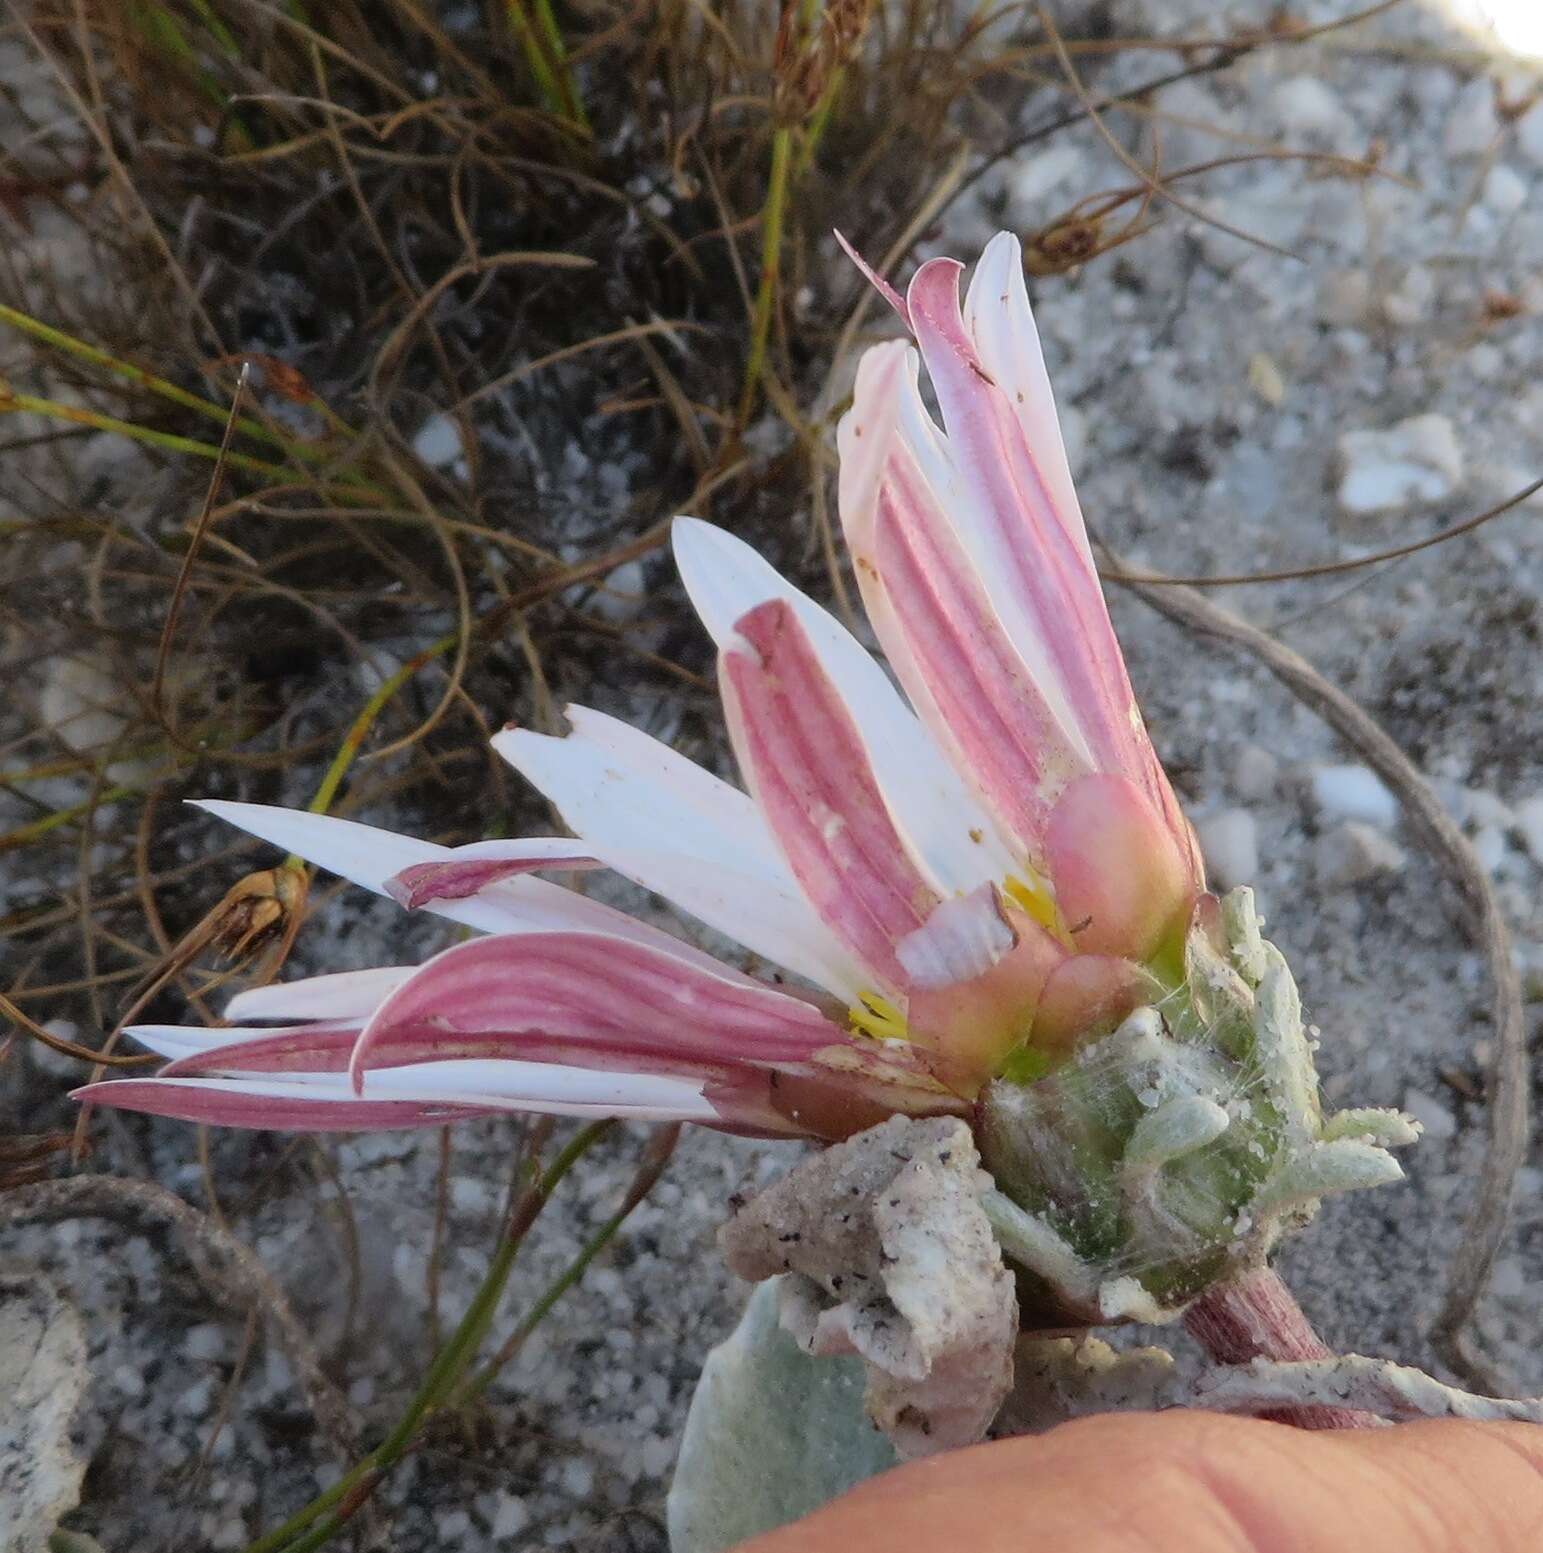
(342, 995)
(616, 784)
(492, 1083)
(962, 939)
(529, 1085)
(699, 792)
(176, 1041)
(998, 316)
(673, 828)
(368, 857)
(771, 920)
(931, 806)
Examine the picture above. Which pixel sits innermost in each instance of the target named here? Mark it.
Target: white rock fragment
(1412, 300)
(1034, 178)
(82, 702)
(473, 1195)
(1509, 1281)
(1345, 297)
(438, 442)
(1229, 842)
(510, 1517)
(1505, 190)
(1354, 793)
(1354, 852)
(1430, 1113)
(895, 1262)
(1489, 847)
(1304, 105)
(451, 1525)
(1255, 773)
(43, 1376)
(1414, 462)
(205, 1342)
(621, 595)
(1473, 124)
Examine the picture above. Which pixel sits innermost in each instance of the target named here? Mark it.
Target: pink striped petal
(663, 822)
(954, 838)
(416, 1095)
(234, 1104)
(312, 1050)
(1031, 552)
(942, 636)
(321, 1048)
(1001, 323)
(471, 869)
(874, 279)
(574, 988)
(751, 1100)
(804, 760)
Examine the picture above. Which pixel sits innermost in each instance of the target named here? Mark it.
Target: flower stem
(1255, 1316)
(300, 1533)
(771, 265)
(547, 56)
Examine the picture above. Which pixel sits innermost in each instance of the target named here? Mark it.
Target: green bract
(1174, 1152)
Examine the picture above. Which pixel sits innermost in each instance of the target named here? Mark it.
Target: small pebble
(205, 1341)
(1410, 464)
(511, 1517)
(438, 442)
(1255, 773)
(1473, 124)
(129, 1381)
(1353, 853)
(452, 1525)
(1229, 841)
(472, 1195)
(1505, 191)
(1304, 105)
(578, 1478)
(1430, 1113)
(1489, 846)
(1036, 177)
(1509, 1279)
(623, 593)
(1354, 793)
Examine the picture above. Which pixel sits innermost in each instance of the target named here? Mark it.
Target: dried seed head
(256, 910)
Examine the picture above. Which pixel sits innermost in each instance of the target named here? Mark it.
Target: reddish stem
(1257, 1317)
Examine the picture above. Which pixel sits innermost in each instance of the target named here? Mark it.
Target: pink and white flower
(992, 864)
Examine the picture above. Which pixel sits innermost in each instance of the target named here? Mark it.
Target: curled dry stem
(1509, 1104)
(232, 1273)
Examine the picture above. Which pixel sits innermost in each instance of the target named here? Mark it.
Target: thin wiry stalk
(301, 1533)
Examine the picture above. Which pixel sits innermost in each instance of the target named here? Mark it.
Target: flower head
(967, 884)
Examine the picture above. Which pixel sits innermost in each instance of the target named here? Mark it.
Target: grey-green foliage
(772, 1434)
(1173, 1152)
